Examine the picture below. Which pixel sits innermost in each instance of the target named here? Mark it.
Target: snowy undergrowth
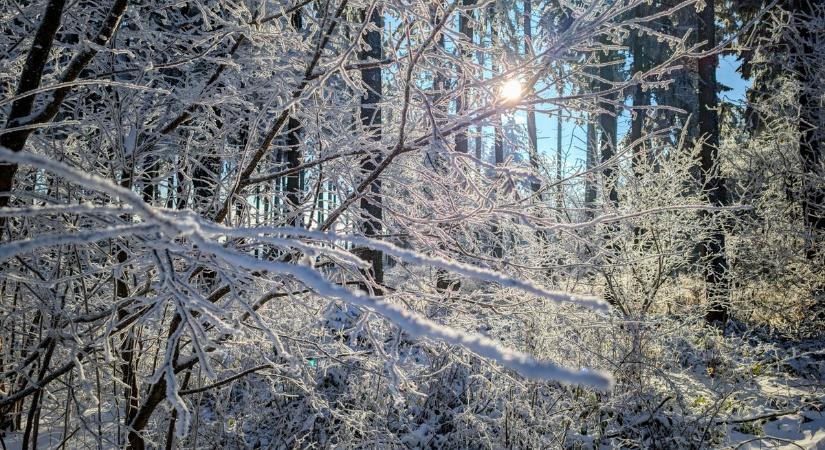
(692, 388)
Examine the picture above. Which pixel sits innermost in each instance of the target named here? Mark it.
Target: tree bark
(294, 182)
(607, 141)
(607, 144)
(30, 79)
(590, 191)
(466, 40)
(712, 251)
(532, 132)
(641, 100)
(372, 213)
(811, 124)
(498, 150)
(559, 160)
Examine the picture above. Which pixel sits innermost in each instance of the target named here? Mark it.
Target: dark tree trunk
(641, 100)
(559, 161)
(150, 173)
(590, 191)
(607, 145)
(127, 350)
(30, 79)
(498, 149)
(33, 419)
(294, 182)
(811, 124)
(205, 185)
(32, 73)
(498, 153)
(466, 29)
(607, 142)
(371, 120)
(128, 347)
(170, 429)
(532, 133)
(712, 251)
(642, 155)
(479, 145)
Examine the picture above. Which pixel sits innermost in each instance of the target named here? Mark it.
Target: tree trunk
(372, 213)
(607, 144)
(712, 251)
(532, 133)
(29, 80)
(559, 160)
(466, 29)
(590, 190)
(642, 156)
(294, 182)
(498, 154)
(641, 100)
(811, 124)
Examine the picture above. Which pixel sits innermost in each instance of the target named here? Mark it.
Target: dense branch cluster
(268, 224)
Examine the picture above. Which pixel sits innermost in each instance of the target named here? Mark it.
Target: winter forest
(450, 224)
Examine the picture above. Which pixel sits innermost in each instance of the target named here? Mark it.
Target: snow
(146, 231)
(416, 324)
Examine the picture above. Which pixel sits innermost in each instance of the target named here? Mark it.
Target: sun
(510, 91)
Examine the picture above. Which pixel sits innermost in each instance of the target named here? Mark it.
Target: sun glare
(511, 90)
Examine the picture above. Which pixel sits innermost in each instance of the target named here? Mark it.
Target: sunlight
(511, 90)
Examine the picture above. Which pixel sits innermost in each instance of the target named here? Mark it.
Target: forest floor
(782, 404)
(758, 392)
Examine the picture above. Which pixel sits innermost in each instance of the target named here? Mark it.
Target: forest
(412, 224)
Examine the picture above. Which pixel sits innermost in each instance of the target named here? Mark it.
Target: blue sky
(573, 136)
(726, 74)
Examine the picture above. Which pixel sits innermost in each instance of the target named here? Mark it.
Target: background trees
(230, 224)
